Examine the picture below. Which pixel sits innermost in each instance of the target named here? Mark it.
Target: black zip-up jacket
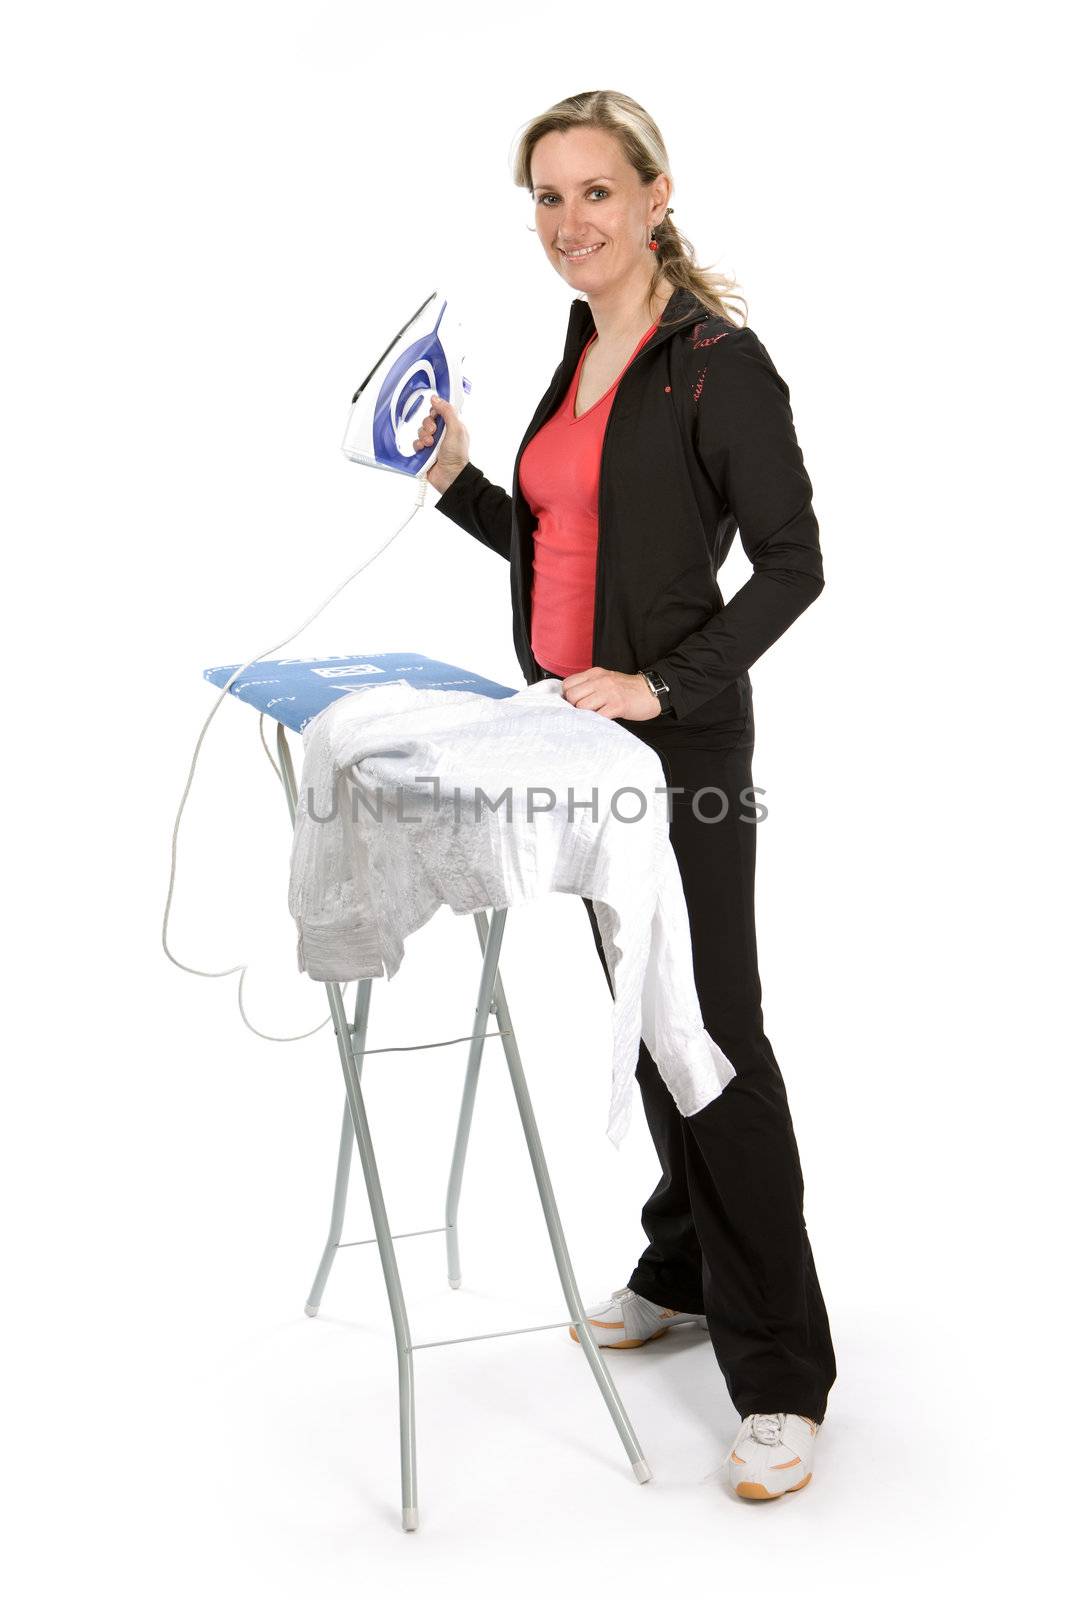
(699, 444)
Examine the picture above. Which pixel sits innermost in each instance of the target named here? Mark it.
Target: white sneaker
(627, 1319)
(771, 1455)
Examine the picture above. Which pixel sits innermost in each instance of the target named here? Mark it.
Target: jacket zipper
(599, 562)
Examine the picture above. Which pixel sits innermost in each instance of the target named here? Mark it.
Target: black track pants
(725, 1224)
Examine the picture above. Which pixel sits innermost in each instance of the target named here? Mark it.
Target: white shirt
(378, 848)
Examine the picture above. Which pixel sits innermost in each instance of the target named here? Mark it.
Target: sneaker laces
(763, 1426)
(767, 1426)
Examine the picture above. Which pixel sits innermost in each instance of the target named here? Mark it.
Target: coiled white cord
(196, 971)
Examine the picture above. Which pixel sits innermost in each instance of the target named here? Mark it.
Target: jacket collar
(681, 311)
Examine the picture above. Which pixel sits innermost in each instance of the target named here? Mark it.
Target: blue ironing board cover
(294, 689)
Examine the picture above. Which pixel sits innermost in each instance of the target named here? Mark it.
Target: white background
(216, 217)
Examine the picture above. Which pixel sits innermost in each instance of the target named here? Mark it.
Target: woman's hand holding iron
(454, 453)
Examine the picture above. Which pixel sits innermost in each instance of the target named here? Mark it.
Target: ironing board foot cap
(642, 1470)
(411, 1518)
(311, 1311)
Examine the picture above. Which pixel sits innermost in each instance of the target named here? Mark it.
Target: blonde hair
(642, 144)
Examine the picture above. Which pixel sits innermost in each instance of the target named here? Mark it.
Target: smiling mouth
(583, 254)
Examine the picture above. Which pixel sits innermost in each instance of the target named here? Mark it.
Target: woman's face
(586, 194)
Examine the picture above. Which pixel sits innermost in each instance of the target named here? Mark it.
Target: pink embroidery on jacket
(697, 343)
(701, 344)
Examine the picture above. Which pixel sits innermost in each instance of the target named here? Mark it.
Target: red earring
(653, 243)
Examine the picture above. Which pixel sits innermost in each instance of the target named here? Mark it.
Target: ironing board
(292, 691)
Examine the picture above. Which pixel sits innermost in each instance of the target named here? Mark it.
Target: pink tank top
(559, 474)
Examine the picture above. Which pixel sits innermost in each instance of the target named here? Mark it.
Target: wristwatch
(659, 689)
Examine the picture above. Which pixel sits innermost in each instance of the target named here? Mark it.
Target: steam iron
(387, 410)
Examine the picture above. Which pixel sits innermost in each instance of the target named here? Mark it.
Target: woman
(665, 429)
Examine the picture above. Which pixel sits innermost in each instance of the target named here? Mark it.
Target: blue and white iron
(389, 406)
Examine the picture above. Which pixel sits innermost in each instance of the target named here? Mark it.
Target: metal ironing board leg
(393, 1288)
(352, 1047)
(360, 1130)
(594, 1354)
(486, 1003)
(344, 1154)
(344, 1157)
(337, 1215)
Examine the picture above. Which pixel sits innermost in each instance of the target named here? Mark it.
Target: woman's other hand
(613, 694)
(455, 449)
